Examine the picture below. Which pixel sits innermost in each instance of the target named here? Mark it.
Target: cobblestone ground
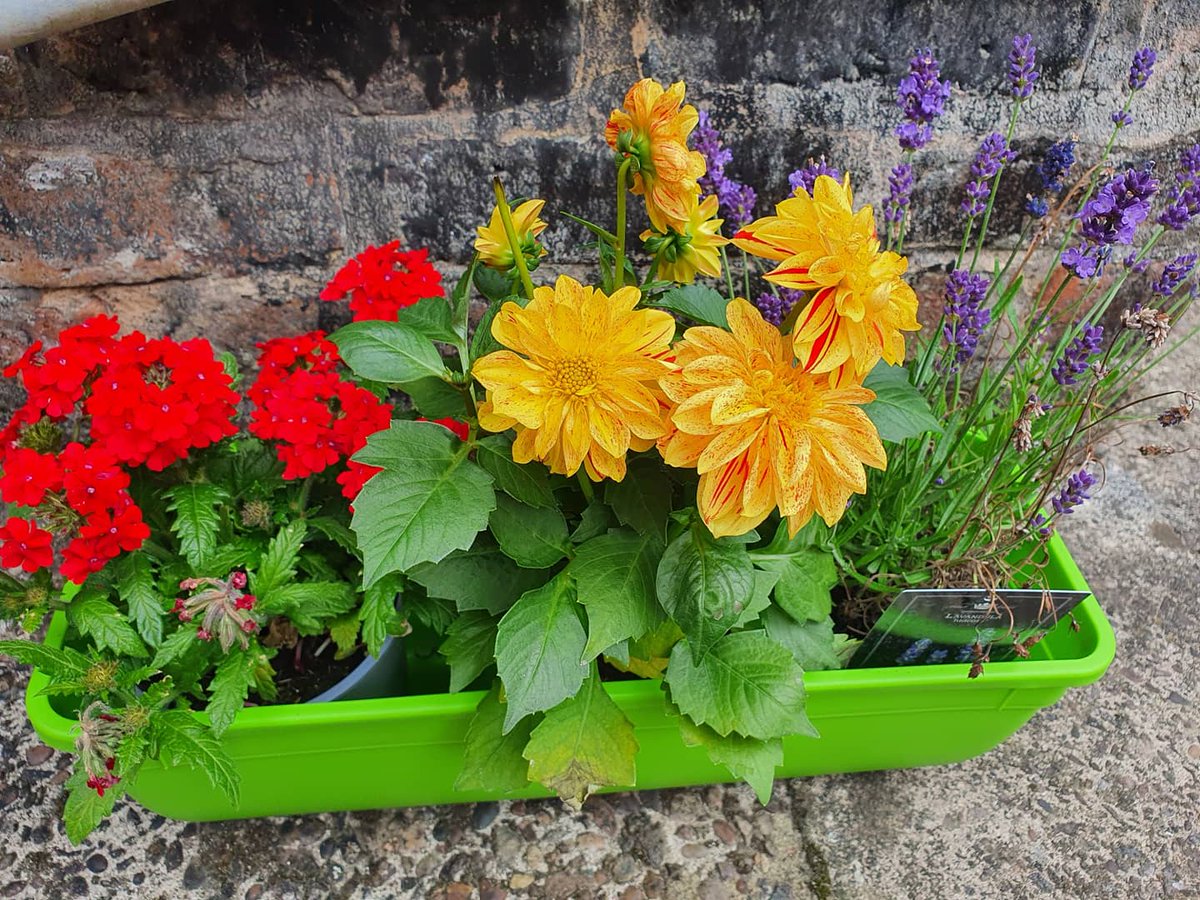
(1096, 797)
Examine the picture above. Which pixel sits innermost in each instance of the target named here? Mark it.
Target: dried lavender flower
(1175, 415)
(1153, 324)
(1023, 428)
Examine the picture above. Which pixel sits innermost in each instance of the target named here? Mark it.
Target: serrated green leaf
(813, 644)
(583, 744)
(899, 410)
(747, 684)
(482, 577)
(85, 809)
(539, 645)
(805, 579)
(751, 760)
(699, 303)
(430, 317)
(378, 609)
(534, 538)
(388, 352)
(175, 647)
(704, 583)
(337, 532)
(343, 631)
(429, 501)
(642, 499)
(179, 739)
(615, 576)
(310, 605)
(197, 518)
(94, 616)
(529, 483)
(469, 648)
(278, 564)
(57, 662)
(135, 585)
(434, 613)
(492, 759)
(229, 688)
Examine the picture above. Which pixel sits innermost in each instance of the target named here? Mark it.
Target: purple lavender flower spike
(1183, 201)
(1055, 164)
(1078, 355)
(1075, 492)
(922, 97)
(806, 176)
(1086, 260)
(1037, 207)
(1142, 68)
(1110, 217)
(1021, 61)
(1174, 275)
(900, 185)
(967, 319)
(775, 308)
(737, 202)
(1122, 118)
(735, 199)
(993, 154)
(1135, 265)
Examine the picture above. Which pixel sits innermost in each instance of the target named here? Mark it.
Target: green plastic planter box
(406, 751)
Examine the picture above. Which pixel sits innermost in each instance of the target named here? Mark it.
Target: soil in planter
(301, 677)
(855, 615)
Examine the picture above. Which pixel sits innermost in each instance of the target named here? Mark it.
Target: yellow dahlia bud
(492, 242)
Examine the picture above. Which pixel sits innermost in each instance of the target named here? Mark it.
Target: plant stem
(510, 232)
(728, 273)
(622, 175)
(585, 485)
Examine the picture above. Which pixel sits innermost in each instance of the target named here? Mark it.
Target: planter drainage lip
(879, 718)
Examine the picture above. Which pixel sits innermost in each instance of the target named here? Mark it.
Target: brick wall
(203, 166)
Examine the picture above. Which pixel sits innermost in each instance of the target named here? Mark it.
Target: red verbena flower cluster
(136, 402)
(315, 417)
(380, 281)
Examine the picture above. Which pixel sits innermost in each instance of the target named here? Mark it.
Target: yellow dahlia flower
(762, 432)
(654, 129)
(861, 304)
(579, 380)
(492, 242)
(682, 252)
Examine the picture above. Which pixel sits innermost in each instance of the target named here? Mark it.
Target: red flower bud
(204, 634)
(249, 626)
(246, 601)
(110, 763)
(238, 580)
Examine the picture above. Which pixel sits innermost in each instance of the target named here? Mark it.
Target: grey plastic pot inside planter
(375, 676)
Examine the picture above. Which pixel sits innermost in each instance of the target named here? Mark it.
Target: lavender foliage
(993, 154)
(1078, 355)
(1021, 61)
(922, 97)
(965, 294)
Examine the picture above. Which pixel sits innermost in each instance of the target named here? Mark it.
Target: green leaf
(435, 399)
(62, 663)
(85, 809)
(492, 759)
(747, 684)
(135, 585)
(704, 584)
(469, 647)
(760, 599)
(593, 522)
(377, 611)
(310, 605)
(175, 647)
(805, 579)
(583, 744)
(433, 612)
(179, 739)
(534, 538)
(539, 645)
(278, 564)
(343, 631)
(388, 352)
(492, 284)
(229, 688)
(482, 577)
(529, 483)
(699, 303)
(482, 342)
(813, 644)
(642, 499)
(615, 577)
(430, 317)
(336, 531)
(429, 501)
(197, 518)
(460, 299)
(899, 410)
(94, 616)
(753, 761)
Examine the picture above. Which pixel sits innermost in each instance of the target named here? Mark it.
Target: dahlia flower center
(785, 391)
(575, 376)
